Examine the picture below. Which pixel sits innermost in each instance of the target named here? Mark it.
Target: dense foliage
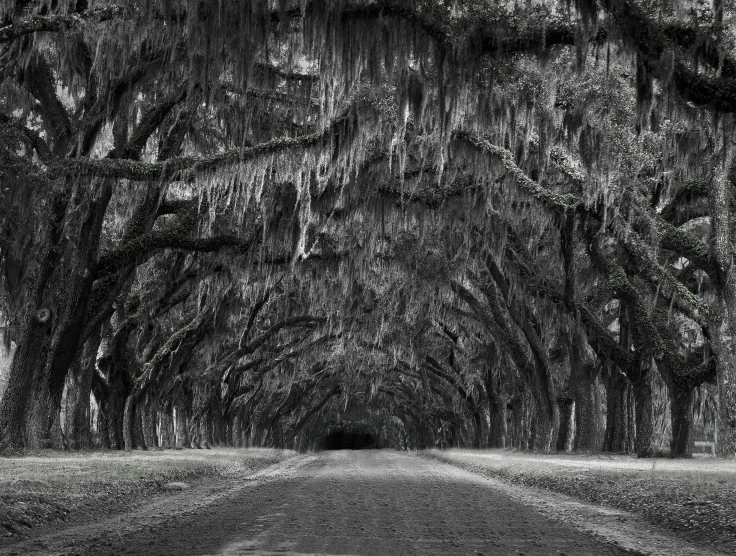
(464, 222)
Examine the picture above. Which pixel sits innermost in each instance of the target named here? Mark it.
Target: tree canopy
(445, 222)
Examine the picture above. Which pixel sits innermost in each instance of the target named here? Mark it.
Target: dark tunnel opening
(346, 440)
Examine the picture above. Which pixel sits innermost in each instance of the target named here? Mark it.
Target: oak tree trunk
(565, 430)
(616, 411)
(79, 390)
(723, 319)
(58, 295)
(643, 415)
(681, 414)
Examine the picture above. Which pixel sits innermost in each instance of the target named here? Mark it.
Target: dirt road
(368, 502)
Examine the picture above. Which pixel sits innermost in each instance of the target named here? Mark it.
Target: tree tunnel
(347, 439)
(466, 223)
(355, 426)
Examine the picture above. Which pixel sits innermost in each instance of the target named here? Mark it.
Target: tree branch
(55, 23)
(149, 123)
(152, 171)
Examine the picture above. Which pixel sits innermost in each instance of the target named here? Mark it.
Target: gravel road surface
(337, 503)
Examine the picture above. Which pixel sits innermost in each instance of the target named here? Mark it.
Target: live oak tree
(449, 222)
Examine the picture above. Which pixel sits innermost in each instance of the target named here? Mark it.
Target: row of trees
(451, 223)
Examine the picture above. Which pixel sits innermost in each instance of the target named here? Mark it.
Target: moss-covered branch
(271, 69)
(650, 269)
(649, 338)
(152, 171)
(177, 236)
(496, 35)
(599, 336)
(555, 201)
(56, 23)
(289, 322)
(647, 264)
(498, 329)
(173, 343)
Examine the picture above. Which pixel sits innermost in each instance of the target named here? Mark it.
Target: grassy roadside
(48, 487)
(695, 499)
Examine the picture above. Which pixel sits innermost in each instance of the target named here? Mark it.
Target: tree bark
(148, 420)
(630, 420)
(115, 404)
(15, 401)
(616, 411)
(497, 433)
(644, 415)
(182, 426)
(498, 437)
(582, 379)
(168, 434)
(565, 430)
(129, 423)
(681, 415)
(723, 319)
(58, 298)
(195, 431)
(79, 389)
(586, 410)
(236, 433)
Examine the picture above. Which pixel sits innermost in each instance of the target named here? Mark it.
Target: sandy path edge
(623, 529)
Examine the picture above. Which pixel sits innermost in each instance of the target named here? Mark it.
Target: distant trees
(454, 223)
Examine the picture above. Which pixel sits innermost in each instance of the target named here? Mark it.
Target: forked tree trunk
(55, 316)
